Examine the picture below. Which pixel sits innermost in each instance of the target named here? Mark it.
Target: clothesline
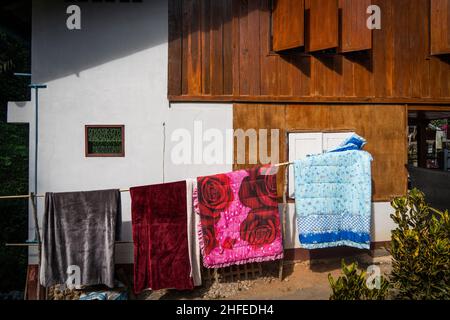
(248, 193)
(26, 196)
(38, 243)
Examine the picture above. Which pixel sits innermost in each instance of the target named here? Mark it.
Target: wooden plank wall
(220, 50)
(384, 127)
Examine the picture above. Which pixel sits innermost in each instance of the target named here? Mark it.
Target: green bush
(420, 249)
(352, 285)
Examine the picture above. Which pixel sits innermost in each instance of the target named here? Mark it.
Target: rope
(26, 196)
(36, 244)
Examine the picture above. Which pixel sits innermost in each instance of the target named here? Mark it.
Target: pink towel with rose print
(239, 217)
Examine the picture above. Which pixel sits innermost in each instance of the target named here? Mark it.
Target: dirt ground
(302, 281)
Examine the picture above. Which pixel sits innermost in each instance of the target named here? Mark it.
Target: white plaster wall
(382, 224)
(113, 71)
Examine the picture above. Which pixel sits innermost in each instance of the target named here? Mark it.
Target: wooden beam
(440, 103)
(428, 108)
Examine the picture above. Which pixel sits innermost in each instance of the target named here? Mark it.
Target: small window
(105, 140)
(440, 27)
(302, 144)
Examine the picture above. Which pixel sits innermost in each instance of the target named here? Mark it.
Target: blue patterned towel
(333, 195)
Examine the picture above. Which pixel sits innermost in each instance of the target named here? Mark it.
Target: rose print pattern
(239, 217)
(209, 239)
(261, 227)
(215, 193)
(258, 190)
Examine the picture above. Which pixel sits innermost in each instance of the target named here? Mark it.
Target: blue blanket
(333, 194)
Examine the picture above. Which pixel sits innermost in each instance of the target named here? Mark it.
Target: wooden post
(216, 275)
(25, 291)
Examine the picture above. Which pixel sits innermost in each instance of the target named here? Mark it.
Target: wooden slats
(206, 29)
(228, 48)
(175, 48)
(355, 36)
(288, 24)
(263, 116)
(420, 68)
(440, 27)
(235, 10)
(383, 46)
(191, 57)
(323, 25)
(220, 50)
(216, 51)
(249, 48)
(269, 62)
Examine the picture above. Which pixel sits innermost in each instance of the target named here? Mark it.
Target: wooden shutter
(288, 18)
(440, 27)
(323, 27)
(355, 36)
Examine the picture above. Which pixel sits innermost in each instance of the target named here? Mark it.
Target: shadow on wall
(109, 31)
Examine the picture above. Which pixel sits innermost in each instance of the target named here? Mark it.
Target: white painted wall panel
(113, 71)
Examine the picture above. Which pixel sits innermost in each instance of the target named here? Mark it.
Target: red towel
(161, 254)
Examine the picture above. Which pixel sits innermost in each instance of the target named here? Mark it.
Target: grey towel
(79, 230)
